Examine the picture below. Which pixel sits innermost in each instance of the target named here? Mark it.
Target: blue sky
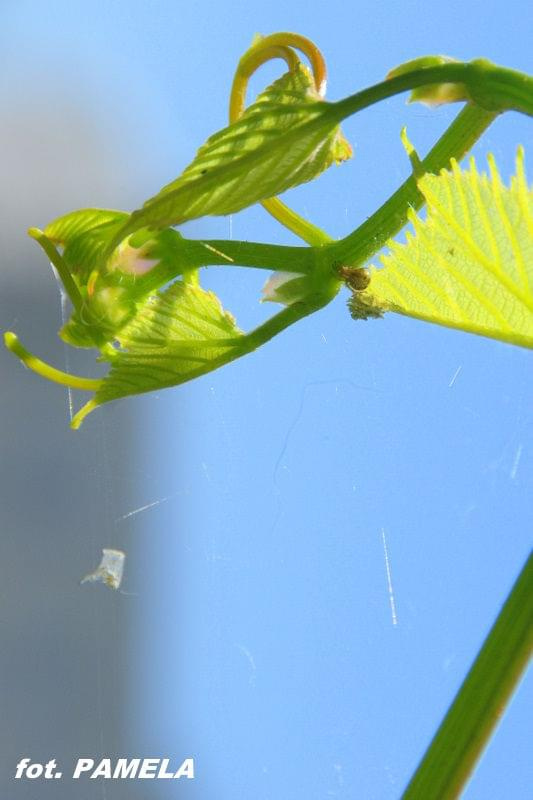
(265, 645)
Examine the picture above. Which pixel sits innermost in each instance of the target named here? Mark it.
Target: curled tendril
(280, 45)
(46, 370)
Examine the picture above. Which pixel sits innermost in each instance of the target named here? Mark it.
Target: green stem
(490, 86)
(271, 257)
(279, 322)
(481, 700)
(64, 272)
(291, 220)
(228, 253)
(390, 218)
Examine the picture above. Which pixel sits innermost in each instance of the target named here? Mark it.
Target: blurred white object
(285, 287)
(110, 569)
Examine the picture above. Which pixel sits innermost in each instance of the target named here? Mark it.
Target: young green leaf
(84, 252)
(469, 265)
(65, 228)
(177, 335)
(252, 159)
(109, 291)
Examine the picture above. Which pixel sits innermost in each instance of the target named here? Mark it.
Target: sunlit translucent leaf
(65, 228)
(252, 159)
(178, 334)
(84, 251)
(469, 265)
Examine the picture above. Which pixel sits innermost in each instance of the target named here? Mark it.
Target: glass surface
(319, 536)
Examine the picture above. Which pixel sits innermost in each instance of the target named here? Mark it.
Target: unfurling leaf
(259, 156)
(177, 335)
(66, 228)
(469, 265)
(109, 290)
(432, 94)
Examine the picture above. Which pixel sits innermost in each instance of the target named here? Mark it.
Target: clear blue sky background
(265, 645)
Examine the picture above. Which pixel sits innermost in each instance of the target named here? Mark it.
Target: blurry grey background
(65, 647)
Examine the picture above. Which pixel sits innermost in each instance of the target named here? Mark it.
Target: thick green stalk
(493, 87)
(229, 253)
(283, 319)
(481, 700)
(390, 218)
